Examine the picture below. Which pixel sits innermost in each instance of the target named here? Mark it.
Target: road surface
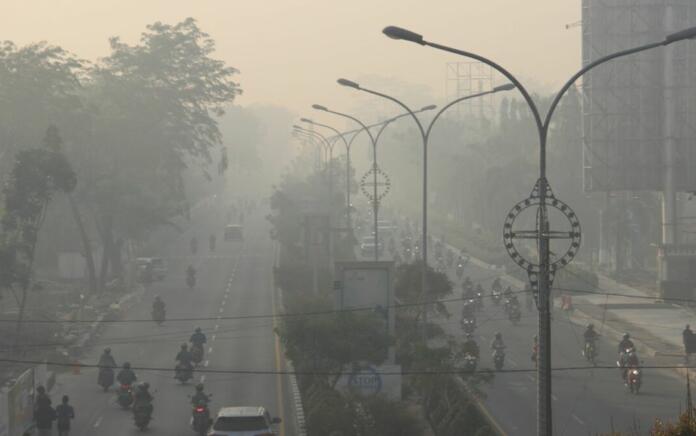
(234, 280)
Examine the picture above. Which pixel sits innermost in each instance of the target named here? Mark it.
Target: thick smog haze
(354, 218)
(284, 49)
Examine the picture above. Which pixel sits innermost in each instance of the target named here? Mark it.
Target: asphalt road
(585, 402)
(234, 280)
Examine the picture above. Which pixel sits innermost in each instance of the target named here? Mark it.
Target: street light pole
(425, 136)
(545, 268)
(373, 141)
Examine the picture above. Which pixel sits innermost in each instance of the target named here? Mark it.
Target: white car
(243, 421)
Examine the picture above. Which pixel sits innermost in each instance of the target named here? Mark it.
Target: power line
(449, 371)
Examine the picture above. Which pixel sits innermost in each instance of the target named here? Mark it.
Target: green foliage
(36, 176)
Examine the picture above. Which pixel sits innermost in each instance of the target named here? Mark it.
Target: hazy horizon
(286, 58)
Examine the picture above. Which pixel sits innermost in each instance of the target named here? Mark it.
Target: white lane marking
(530, 377)
(580, 421)
(98, 422)
(223, 303)
(205, 364)
(217, 327)
(213, 338)
(554, 397)
(220, 311)
(203, 378)
(210, 350)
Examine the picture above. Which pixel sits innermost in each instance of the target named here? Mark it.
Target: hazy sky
(291, 51)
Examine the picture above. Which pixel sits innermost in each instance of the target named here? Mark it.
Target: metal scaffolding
(466, 78)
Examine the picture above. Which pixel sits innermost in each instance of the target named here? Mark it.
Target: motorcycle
(191, 280)
(183, 374)
(514, 313)
(468, 325)
(196, 353)
(158, 315)
(460, 271)
(200, 419)
(479, 300)
(470, 362)
(498, 358)
(142, 416)
(590, 352)
(125, 396)
(105, 379)
(634, 379)
(496, 296)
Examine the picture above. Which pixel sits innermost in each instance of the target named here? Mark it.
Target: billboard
(627, 116)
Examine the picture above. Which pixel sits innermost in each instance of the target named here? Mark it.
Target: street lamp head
(348, 83)
(319, 107)
(689, 33)
(400, 33)
(429, 107)
(306, 120)
(506, 87)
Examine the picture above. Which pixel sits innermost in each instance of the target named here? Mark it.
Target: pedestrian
(64, 414)
(44, 418)
(688, 340)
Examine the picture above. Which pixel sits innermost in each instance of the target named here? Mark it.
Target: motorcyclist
(142, 399)
(467, 284)
(184, 358)
(470, 346)
(630, 361)
(590, 334)
(191, 271)
(126, 376)
(626, 343)
(158, 305)
(498, 343)
(496, 286)
(106, 360)
(197, 339)
(468, 310)
(200, 397)
(508, 293)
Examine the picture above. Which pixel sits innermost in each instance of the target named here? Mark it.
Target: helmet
(107, 350)
(126, 365)
(184, 346)
(41, 390)
(626, 336)
(498, 335)
(199, 387)
(198, 329)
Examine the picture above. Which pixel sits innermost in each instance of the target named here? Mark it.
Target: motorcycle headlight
(634, 372)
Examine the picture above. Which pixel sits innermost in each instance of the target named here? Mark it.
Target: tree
(36, 176)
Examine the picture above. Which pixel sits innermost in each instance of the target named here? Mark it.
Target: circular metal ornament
(574, 235)
(383, 184)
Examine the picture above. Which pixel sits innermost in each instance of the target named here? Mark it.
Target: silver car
(243, 421)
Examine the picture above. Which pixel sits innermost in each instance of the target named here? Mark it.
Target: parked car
(243, 421)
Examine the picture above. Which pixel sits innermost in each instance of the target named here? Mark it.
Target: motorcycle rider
(191, 271)
(498, 343)
(467, 285)
(198, 338)
(590, 334)
(142, 399)
(184, 359)
(470, 346)
(158, 305)
(508, 293)
(106, 360)
(496, 286)
(626, 343)
(200, 397)
(126, 376)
